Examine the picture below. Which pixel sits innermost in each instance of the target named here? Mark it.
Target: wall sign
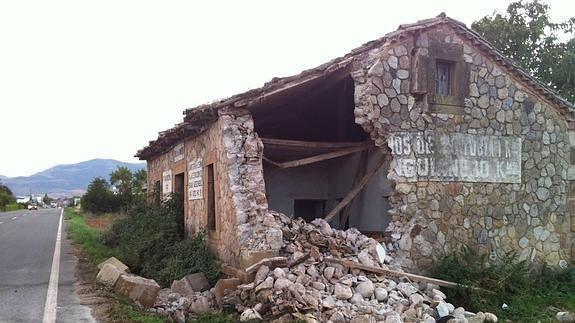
(178, 152)
(427, 156)
(195, 180)
(167, 183)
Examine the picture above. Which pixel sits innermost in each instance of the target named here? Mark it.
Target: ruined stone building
(428, 137)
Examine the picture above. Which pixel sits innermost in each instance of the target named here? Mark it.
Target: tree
(5, 189)
(140, 178)
(122, 179)
(46, 199)
(99, 198)
(6, 196)
(526, 34)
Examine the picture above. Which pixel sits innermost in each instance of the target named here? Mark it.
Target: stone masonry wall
(257, 232)
(428, 218)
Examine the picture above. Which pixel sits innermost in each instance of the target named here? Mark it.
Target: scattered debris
(323, 274)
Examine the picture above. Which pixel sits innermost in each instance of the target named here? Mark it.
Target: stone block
(249, 257)
(225, 284)
(190, 284)
(182, 287)
(109, 274)
(116, 263)
(198, 282)
(238, 273)
(141, 290)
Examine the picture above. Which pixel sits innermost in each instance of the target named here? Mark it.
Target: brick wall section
(429, 219)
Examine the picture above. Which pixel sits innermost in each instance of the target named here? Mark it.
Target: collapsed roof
(198, 119)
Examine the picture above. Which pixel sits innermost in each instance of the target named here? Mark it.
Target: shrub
(5, 199)
(529, 294)
(152, 244)
(13, 207)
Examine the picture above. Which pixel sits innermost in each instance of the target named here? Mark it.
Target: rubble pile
(311, 280)
(313, 283)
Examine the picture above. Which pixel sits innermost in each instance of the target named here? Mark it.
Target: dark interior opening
(309, 209)
(179, 183)
(179, 191)
(322, 113)
(312, 120)
(211, 198)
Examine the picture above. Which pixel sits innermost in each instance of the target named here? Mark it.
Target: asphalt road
(27, 242)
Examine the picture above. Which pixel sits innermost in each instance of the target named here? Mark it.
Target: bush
(530, 295)
(6, 199)
(99, 198)
(13, 207)
(152, 244)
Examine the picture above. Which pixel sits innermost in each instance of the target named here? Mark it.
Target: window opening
(443, 78)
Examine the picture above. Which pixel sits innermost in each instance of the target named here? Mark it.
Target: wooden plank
(379, 270)
(321, 157)
(274, 261)
(356, 189)
(312, 144)
(361, 169)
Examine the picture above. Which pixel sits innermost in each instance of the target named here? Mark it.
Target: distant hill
(66, 180)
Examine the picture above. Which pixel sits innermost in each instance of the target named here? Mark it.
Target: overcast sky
(99, 79)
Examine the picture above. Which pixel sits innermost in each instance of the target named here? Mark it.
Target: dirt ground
(102, 222)
(89, 293)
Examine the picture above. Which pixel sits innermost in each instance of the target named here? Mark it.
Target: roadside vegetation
(152, 243)
(122, 194)
(115, 220)
(528, 295)
(8, 200)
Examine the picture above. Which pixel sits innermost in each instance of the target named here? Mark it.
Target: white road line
(52, 295)
(14, 218)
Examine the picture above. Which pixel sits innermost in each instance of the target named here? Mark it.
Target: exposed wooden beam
(360, 172)
(356, 189)
(312, 144)
(321, 157)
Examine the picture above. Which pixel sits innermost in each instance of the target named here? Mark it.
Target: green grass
(531, 296)
(90, 240)
(124, 311)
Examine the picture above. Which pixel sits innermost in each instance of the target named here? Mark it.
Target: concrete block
(108, 275)
(115, 262)
(141, 290)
